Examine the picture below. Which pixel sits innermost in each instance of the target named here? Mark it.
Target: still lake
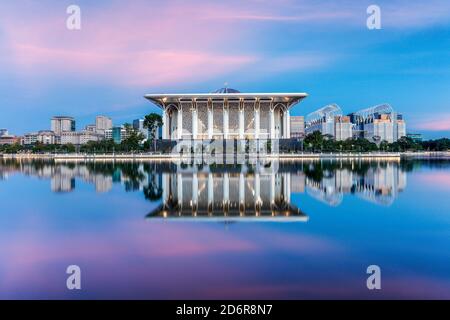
(273, 230)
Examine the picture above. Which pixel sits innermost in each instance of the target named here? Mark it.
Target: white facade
(379, 130)
(226, 114)
(102, 124)
(297, 126)
(44, 137)
(401, 129)
(29, 138)
(91, 128)
(108, 134)
(80, 137)
(343, 128)
(61, 124)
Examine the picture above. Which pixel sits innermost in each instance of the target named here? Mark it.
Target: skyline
(320, 48)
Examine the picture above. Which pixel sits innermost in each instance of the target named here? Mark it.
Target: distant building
(91, 128)
(79, 137)
(138, 125)
(9, 139)
(29, 138)
(297, 126)
(44, 137)
(416, 137)
(118, 134)
(102, 124)
(108, 134)
(343, 128)
(329, 121)
(3, 132)
(60, 124)
(379, 123)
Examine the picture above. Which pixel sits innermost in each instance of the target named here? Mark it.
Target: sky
(126, 49)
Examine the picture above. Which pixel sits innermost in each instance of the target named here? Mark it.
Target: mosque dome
(226, 90)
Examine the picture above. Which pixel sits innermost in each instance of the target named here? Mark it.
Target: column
(210, 123)
(194, 123)
(272, 188)
(257, 122)
(272, 124)
(288, 187)
(288, 124)
(241, 123)
(165, 188)
(180, 123)
(226, 191)
(210, 192)
(258, 201)
(180, 190)
(241, 194)
(165, 124)
(225, 120)
(194, 192)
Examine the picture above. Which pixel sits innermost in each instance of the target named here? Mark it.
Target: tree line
(317, 142)
(314, 142)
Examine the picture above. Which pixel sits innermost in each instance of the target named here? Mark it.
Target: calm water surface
(260, 230)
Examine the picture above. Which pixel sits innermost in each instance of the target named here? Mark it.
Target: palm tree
(152, 122)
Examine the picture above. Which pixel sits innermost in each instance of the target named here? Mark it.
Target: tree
(152, 122)
(133, 140)
(384, 146)
(314, 141)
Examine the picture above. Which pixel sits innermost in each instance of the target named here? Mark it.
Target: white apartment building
(60, 124)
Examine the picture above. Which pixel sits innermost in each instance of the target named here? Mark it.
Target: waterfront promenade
(287, 156)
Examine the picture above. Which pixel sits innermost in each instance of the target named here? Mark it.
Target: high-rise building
(329, 121)
(117, 134)
(297, 126)
(343, 128)
(138, 125)
(102, 124)
(379, 123)
(60, 124)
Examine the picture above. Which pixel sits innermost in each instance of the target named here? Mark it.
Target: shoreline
(284, 156)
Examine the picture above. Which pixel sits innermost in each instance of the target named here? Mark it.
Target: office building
(297, 127)
(60, 124)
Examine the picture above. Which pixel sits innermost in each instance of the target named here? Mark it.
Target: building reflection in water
(243, 192)
(252, 190)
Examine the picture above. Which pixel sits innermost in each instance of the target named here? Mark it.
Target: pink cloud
(439, 122)
(166, 43)
(123, 45)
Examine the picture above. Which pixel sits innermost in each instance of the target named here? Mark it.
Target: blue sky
(126, 49)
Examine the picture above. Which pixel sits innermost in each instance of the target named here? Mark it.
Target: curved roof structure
(328, 111)
(368, 113)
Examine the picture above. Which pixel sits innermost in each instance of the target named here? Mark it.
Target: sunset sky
(126, 49)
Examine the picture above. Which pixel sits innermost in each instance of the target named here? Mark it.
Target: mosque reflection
(244, 192)
(244, 195)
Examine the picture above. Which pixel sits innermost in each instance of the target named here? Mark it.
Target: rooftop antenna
(226, 85)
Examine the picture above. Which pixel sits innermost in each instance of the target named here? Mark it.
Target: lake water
(274, 230)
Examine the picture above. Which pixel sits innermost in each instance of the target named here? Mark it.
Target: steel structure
(368, 114)
(327, 112)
